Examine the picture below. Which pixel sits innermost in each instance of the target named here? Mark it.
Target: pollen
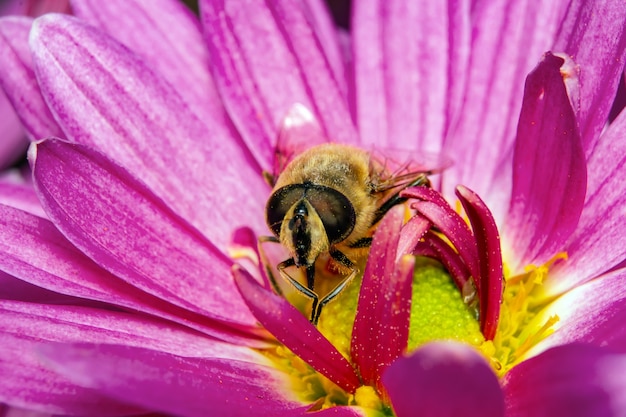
(438, 311)
(518, 331)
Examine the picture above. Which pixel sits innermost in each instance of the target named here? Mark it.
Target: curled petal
(549, 170)
(444, 379)
(290, 327)
(381, 326)
(491, 275)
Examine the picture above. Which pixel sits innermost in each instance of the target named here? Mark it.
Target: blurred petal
(549, 171)
(592, 313)
(21, 196)
(594, 35)
(381, 326)
(33, 250)
(119, 105)
(173, 384)
(408, 84)
(504, 34)
(13, 142)
(116, 221)
(444, 380)
(267, 58)
(599, 241)
(291, 328)
(168, 36)
(572, 380)
(17, 78)
(27, 383)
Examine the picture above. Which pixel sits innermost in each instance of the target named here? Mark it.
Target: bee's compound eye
(333, 208)
(279, 204)
(335, 211)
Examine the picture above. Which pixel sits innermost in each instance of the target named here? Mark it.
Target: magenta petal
(17, 78)
(167, 35)
(381, 326)
(21, 196)
(120, 105)
(594, 35)
(33, 250)
(291, 328)
(599, 242)
(61, 323)
(440, 214)
(491, 275)
(549, 170)
(119, 223)
(266, 58)
(444, 380)
(571, 380)
(182, 386)
(410, 64)
(27, 383)
(14, 141)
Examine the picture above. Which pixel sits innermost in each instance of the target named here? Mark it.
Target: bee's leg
(306, 291)
(343, 260)
(395, 199)
(268, 270)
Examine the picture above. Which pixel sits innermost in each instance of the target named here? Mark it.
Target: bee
(324, 208)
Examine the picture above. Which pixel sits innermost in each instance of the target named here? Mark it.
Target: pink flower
(120, 299)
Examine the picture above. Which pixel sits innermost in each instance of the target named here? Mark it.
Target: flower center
(518, 331)
(437, 313)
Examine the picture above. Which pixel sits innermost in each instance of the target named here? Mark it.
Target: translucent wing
(300, 131)
(397, 168)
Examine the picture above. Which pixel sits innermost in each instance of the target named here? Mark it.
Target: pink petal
(381, 326)
(168, 36)
(410, 60)
(504, 34)
(33, 250)
(267, 58)
(173, 384)
(571, 380)
(17, 78)
(592, 313)
(599, 241)
(120, 105)
(444, 379)
(594, 35)
(130, 232)
(27, 383)
(62, 323)
(549, 171)
(12, 288)
(292, 329)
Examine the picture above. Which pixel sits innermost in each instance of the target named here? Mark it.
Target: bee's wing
(392, 168)
(300, 131)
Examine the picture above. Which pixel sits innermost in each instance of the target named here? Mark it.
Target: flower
(122, 295)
